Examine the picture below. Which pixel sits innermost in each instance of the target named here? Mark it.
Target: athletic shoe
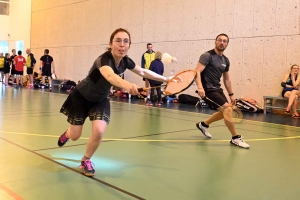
(62, 140)
(240, 143)
(203, 130)
(158, 104)
(149, 103)
(87, 167)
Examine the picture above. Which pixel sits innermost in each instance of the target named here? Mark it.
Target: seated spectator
(290, 84)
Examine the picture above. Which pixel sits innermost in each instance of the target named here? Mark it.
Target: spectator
(13, 67)
(290, 84)
(147, 58)
(20, 62)
(47, 67)
(30, 66)
(2, 67)
(158, 67)
(7, 63)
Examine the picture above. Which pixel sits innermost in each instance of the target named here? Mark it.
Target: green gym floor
(148, 153)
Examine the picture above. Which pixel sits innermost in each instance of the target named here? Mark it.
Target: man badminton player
(90, 96)
(211, 67)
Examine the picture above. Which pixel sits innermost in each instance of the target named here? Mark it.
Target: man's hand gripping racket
(180, 82)
(230, 113)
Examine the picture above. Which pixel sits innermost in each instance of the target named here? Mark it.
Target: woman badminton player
(90, 97)
(210, 68)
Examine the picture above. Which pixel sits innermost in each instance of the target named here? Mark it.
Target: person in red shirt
(19, 62)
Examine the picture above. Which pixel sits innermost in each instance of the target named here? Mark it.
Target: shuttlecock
(167, 58)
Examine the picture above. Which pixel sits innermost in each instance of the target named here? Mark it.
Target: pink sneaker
(87, 167)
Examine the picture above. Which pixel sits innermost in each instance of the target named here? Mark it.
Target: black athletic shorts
(19, 73)
(217, 95)
(46, 71)
(6, 70)
(29, 70)
(13, 70)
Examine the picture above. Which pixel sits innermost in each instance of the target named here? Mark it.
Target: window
(4, 7)
(20, 45)
(3, 47)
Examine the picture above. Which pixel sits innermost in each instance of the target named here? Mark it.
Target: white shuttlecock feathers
(167, 58)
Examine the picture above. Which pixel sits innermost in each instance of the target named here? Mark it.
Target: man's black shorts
(217, 95)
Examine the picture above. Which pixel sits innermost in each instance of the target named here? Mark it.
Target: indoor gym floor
(148, 153)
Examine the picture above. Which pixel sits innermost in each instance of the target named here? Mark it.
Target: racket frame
(172, 80)
(224, 110)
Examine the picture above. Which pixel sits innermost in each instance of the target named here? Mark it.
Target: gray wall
(264, 35)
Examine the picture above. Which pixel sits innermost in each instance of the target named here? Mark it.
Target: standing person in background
(158, 67)
(47, 67)
(2, 67)
(30, 63)
(147, 58)
(20, 62)
(13, 67)
(7, 63)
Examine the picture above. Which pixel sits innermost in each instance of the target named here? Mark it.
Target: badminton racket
(230, 113)
(180, 82)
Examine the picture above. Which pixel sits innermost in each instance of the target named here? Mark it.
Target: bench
(268, 103)
(56, 82)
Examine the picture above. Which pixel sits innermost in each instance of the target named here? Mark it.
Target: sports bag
(248, 105)
(191, 100)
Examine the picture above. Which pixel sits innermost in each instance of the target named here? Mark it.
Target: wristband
(231, 94)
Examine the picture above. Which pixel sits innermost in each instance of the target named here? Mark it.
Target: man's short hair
(19, 52)
(149, 44)
(47, 51)
(222, 34)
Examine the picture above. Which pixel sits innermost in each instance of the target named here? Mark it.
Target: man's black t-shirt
(47, 60)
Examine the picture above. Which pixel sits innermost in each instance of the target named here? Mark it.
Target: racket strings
(186, 79)
(233, 114)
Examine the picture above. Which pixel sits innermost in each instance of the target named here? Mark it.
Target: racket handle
(201, 97)
(140, 89)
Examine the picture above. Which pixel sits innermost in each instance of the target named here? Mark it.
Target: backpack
(248, 105)
(191, 100)
(67, 85)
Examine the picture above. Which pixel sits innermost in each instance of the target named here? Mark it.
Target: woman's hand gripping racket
(180, 82)
(231, 113)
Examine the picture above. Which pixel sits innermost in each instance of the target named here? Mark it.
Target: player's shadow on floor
(56, 164)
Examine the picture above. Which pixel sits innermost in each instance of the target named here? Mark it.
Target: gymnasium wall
(264, 35)
(16, 25)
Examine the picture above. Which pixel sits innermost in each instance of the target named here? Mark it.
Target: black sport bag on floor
(248, 105)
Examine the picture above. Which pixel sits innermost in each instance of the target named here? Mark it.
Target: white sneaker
(240, 143)
(203, 130)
